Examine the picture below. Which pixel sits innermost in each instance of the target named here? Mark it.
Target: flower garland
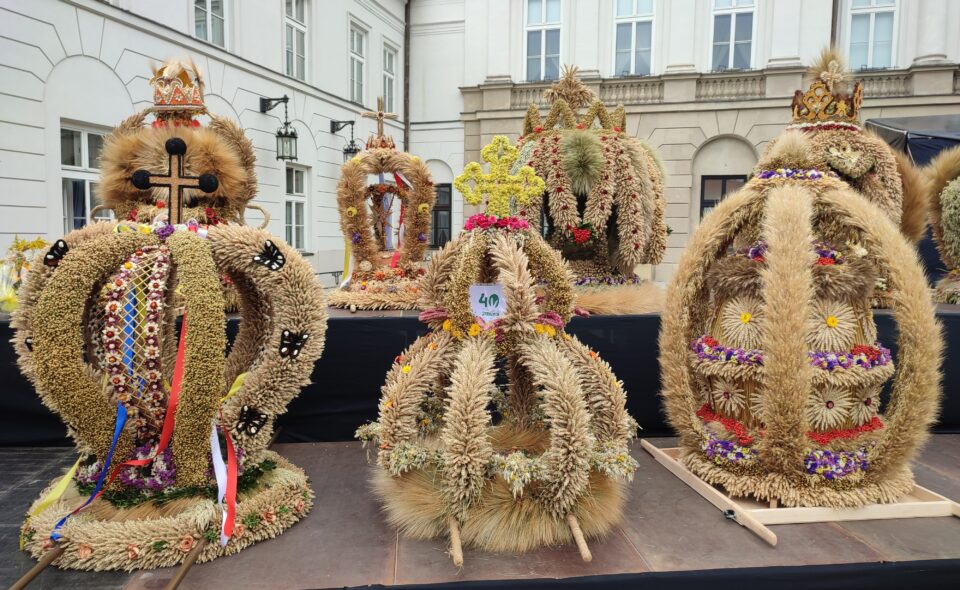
(707, 348)
(732, 425)
(860, 355)
(482, 221)
(795, 174)
(825, 126)
(831, 465)
(829, 436)
(827, 255)
(725, 452)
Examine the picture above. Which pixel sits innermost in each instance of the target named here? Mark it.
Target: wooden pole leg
(46, 560)
(456, 550)
(187, 564)
(578, 537)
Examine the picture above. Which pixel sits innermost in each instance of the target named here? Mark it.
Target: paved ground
(344, 542)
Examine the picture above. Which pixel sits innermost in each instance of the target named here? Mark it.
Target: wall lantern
(286, 135)
(351, 149)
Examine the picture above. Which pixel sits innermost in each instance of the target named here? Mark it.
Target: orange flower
(299, 506)
(270, 516)
(85, 551)
(239, 530)
(186, 543)
(133, 552)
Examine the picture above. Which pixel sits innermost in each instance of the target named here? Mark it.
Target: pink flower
(551, 318)
(239, 530)
(299, 506)
(270, 516)
(85, 551)
(133, 552)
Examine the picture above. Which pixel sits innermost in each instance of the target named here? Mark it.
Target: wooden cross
(379, 115)
(175, 180)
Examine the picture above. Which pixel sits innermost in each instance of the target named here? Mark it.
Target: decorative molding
(886, 83)
(731, 86)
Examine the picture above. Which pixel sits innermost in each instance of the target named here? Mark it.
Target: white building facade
(707, 82)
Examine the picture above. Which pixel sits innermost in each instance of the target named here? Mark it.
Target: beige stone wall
(706, 123)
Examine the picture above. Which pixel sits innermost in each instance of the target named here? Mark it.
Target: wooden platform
(755, 515)
(667, 528)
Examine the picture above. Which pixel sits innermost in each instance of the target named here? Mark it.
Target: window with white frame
(389, 77)
(871, 33)
(732, 34)
(208, 21)
(295, 207)
(79, 160)
(543, 40)
(634, 38)
(295, 39)
(358, 60)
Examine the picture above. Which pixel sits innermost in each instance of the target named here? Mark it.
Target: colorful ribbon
(52, 496)
(165, 435)
(347, 263)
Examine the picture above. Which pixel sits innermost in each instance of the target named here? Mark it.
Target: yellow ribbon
(237, 384)
(52, 496)
(346, 263)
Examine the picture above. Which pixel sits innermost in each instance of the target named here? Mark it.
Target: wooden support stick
(774, 503)
(456, 551)
(187, 564)
(578, 537)
(46, 560)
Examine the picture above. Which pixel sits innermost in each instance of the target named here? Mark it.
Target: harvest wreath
(553, 468)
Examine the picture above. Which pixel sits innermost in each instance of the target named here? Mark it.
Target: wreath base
(497, 522)
(376, 296)
(948, 289)
(800, 491)
(645, 297)
(148, 536)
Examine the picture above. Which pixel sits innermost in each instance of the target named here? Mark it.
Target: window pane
(74, 204)
(298, 208)
(300, 9)
(622, 66)
(94, 145)
(644, 6)
(882, 39)
(534, 11)
(70, 150)
(288, 187)
(721, 56)
(216, 7)
(721, 28)
(553, 11)
(200, 19)
(712, 189)
(553, 42)
(885, 2)
(301, 43)
(95, 200)
(443, 195)
(722, 3)
(741, 55)
(298, 181)
(289, 214)
(289, 7)
(861, 3)
(533, 55)
(744, 27)
(217, 24)
(859, 39)
(624, 7)
(733, 185)
(644, 35)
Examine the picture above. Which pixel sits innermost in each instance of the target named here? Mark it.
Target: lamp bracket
(268, 104)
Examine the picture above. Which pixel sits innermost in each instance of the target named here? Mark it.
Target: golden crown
(823, 103)
(177, 87)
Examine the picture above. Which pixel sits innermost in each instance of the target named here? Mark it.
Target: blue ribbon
(121, 420)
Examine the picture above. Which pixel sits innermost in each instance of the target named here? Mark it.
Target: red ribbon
(231, 495)
(168, 421)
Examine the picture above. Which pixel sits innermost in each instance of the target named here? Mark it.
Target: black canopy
(921, 137)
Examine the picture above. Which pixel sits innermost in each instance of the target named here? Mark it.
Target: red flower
(132, 216)
(871, 352)
(617, 129)
(710, 341)
(824, 261)
(581, 236)
(161, 204)
(537, 129)
(580, 125)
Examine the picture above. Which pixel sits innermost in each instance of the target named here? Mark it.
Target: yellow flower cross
(499, 185)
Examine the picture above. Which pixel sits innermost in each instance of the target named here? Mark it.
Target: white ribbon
(220, 472)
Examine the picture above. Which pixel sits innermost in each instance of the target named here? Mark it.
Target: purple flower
(421, 237)
(164, 231)
(355, 238)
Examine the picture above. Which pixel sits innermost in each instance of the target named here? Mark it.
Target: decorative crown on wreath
(177, 87)
(822, 102)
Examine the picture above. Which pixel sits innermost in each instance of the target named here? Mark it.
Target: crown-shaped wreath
(567, 96)
(177, 87)
(824, 102)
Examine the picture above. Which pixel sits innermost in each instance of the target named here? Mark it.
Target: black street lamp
(351, 149)
(286, 135)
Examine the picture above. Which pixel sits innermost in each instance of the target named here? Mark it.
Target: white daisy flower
(865, 406)
(728, 396)
(741, 322)
(832, 326)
